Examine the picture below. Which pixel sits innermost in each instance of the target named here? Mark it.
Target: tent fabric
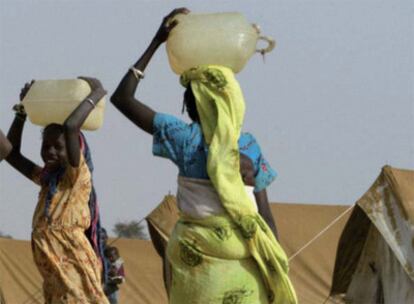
(164, 217)
(310, 271)
(21, 282)
(19, 278)
(377, 244)
(370, 285)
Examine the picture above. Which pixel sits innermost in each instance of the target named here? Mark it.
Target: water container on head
(221, 39)
(52, 101)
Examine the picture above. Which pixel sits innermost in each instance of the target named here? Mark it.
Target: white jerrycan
(222, 39)
(52, 101)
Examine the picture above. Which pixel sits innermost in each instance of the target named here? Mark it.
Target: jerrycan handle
(271, 43)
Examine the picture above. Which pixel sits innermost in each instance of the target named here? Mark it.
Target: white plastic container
(223, 39)
(52, 101)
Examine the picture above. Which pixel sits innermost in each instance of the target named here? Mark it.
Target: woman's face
(113, 256)
(53, 149)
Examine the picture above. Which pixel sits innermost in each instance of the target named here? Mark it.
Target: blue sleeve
(169, 136)
(264, 173)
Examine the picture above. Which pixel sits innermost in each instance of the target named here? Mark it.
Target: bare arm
(5, 146)
(123, 98)
(76, 119)
(264, 210)
(22, 164)
(247, 174)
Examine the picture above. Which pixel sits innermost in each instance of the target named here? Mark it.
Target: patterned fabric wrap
(220, 105)
(93, 232)
(211, 263)
(70, 267)
(51, 180)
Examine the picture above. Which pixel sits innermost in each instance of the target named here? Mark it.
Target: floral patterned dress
(66, 260)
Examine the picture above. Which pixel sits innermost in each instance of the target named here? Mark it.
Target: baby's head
(112, 254)
(53, 149)
(247, 170)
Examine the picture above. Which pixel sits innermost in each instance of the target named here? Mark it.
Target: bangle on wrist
(137, 73)
(91, 102)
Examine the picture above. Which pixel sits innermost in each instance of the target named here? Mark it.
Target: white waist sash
(199, 199)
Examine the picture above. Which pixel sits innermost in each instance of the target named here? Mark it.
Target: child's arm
(264, 210)
(22, 164)
(75, 120)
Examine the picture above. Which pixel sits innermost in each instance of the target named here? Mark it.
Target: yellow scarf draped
(220, 105)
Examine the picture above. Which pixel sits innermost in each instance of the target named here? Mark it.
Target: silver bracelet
(91, 102)
(137, 73)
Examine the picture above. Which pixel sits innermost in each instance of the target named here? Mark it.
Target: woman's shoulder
(172, 124)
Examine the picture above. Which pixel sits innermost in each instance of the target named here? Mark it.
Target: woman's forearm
(73, 123)
(76, 119)
(15, 158)
(126, 89)
(15, 132)
(123, 98)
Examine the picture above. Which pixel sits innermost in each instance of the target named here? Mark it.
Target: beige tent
(311, 270)
(21, 281)
(375, 262)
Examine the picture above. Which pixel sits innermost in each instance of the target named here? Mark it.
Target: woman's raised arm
(76, 119)
(123, 98)
(15, 158)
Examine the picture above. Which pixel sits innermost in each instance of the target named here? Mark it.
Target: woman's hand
(25, 89)
(168, 24)
(19, 108)
(97, 90)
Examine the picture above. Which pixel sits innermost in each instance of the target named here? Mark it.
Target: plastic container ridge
(52, 101)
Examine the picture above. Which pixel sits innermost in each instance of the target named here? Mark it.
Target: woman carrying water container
(222, 250)
(66, 208)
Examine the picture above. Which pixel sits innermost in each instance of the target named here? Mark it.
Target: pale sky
(330, 106)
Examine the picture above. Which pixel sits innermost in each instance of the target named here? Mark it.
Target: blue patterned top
(184, 144)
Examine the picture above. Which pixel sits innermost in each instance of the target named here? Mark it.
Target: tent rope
(320, 233)
(326, 300)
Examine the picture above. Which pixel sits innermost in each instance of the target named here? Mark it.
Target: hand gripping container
(52, 101)
(222, 39)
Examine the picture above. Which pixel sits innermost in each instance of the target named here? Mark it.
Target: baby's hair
(111, 249)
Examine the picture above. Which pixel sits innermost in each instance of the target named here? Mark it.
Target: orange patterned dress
(66, 260)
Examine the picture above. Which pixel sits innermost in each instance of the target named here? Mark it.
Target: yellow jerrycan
(52, 101)
(222, 38)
